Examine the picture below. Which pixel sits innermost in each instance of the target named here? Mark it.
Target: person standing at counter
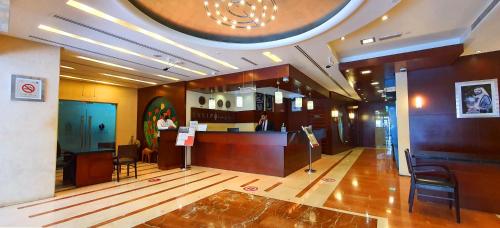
(264, 124)
(164, 123)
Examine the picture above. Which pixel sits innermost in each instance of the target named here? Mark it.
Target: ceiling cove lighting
(365, 72)
(167, 77)
(129, 79)
(368, 41)
(67, 67)
(105, 63)
(115, 48)
(272, 56)
(241, 14)
(90, 80)
(138, 29)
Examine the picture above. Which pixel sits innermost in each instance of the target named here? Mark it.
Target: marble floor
(206, 197)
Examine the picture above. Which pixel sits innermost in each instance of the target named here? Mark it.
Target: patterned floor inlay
(236, 209)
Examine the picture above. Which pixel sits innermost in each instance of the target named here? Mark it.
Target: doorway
(81, 125)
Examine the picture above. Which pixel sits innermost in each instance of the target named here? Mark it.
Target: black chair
(127, 155)
(430, 177)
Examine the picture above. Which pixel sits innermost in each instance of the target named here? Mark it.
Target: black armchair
(127, 155)
(432, 178)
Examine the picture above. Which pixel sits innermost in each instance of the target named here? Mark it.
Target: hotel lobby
(249, 113)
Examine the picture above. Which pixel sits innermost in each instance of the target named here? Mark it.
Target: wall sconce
(310, 105)
(352, 115)
(419, 102)
(278, 95)
(298, 102)
(211, 103)
(335, 115)
(239, 101)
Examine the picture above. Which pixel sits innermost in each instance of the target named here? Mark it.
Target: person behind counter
(264, 124)
(164, 123)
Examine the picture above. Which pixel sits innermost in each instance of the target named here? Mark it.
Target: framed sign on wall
(24, 88)
(477, 99)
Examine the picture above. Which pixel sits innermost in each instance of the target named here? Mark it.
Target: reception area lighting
(89, 80)
(272, 56)
(138, 29)
(105, 63)
(129, 79)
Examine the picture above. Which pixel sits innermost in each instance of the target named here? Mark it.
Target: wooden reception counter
(269, 153)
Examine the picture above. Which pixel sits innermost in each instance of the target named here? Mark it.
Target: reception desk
(169, 155)
(269, 153)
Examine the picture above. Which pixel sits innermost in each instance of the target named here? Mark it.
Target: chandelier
(243, 14)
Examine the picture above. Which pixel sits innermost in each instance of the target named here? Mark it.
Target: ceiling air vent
(484, 14)
(249, 61)
(131, 41)
(382, 38)
(320, 68)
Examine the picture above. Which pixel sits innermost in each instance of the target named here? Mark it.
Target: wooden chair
(127, 155)
(434, 178)
(146, 154)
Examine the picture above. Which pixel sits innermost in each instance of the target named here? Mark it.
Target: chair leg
(457, 205)
(412, 198)
(450, 201)
(128, 169)
(409, 195)
(135, 168)
(118, 168)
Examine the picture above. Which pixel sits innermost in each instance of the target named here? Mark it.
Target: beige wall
(125, 98)
(28, 130)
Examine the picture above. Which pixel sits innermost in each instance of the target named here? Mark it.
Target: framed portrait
(24, 88)
(477, 99)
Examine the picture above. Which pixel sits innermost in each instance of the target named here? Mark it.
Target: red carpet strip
(301, 193)
(125, 202)
(97, 190)
(159, 203)
(108, 196)
(243, 185)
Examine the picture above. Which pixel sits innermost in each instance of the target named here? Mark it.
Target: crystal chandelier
(242, 14)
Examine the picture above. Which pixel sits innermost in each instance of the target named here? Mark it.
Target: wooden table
(89, 166)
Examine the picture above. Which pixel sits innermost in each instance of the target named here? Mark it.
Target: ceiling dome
(197, 18)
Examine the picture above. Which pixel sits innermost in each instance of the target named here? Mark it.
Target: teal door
(83, 125)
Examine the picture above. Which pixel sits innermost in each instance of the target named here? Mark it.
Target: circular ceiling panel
(241, 21)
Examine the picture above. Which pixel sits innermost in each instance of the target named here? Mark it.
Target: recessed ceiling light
(272, 56)
(368, 41)
(89, 80)
(119, 49)
(67, 67)
(105, 63)
(342, 38)
(374, 83)
(364, 72)
(138, 29)
(130, 79)
(385, 17)
(167, 77)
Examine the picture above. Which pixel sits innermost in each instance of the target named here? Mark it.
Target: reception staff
(264, 124)
(165, 122)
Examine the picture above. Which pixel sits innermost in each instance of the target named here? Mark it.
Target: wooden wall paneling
(93, 168)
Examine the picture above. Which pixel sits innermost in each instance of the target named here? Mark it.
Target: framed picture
(477, 99)
(24, 88)
(269, 103)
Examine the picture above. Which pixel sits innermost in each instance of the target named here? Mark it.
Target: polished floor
(358, 188)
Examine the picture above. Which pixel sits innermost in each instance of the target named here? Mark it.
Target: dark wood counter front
(169, 155)
(269, 153)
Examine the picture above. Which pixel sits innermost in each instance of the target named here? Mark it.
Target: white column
(403, 120)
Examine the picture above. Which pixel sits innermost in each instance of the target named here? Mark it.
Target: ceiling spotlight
(365, 72)
(385, 17)
(342, 38)
(374, 83)
(368, 41)
(67, 67)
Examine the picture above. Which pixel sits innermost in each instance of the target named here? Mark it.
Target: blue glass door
(82, 125)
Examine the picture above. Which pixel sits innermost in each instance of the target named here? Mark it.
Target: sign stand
(312, 144)
(185, 138)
